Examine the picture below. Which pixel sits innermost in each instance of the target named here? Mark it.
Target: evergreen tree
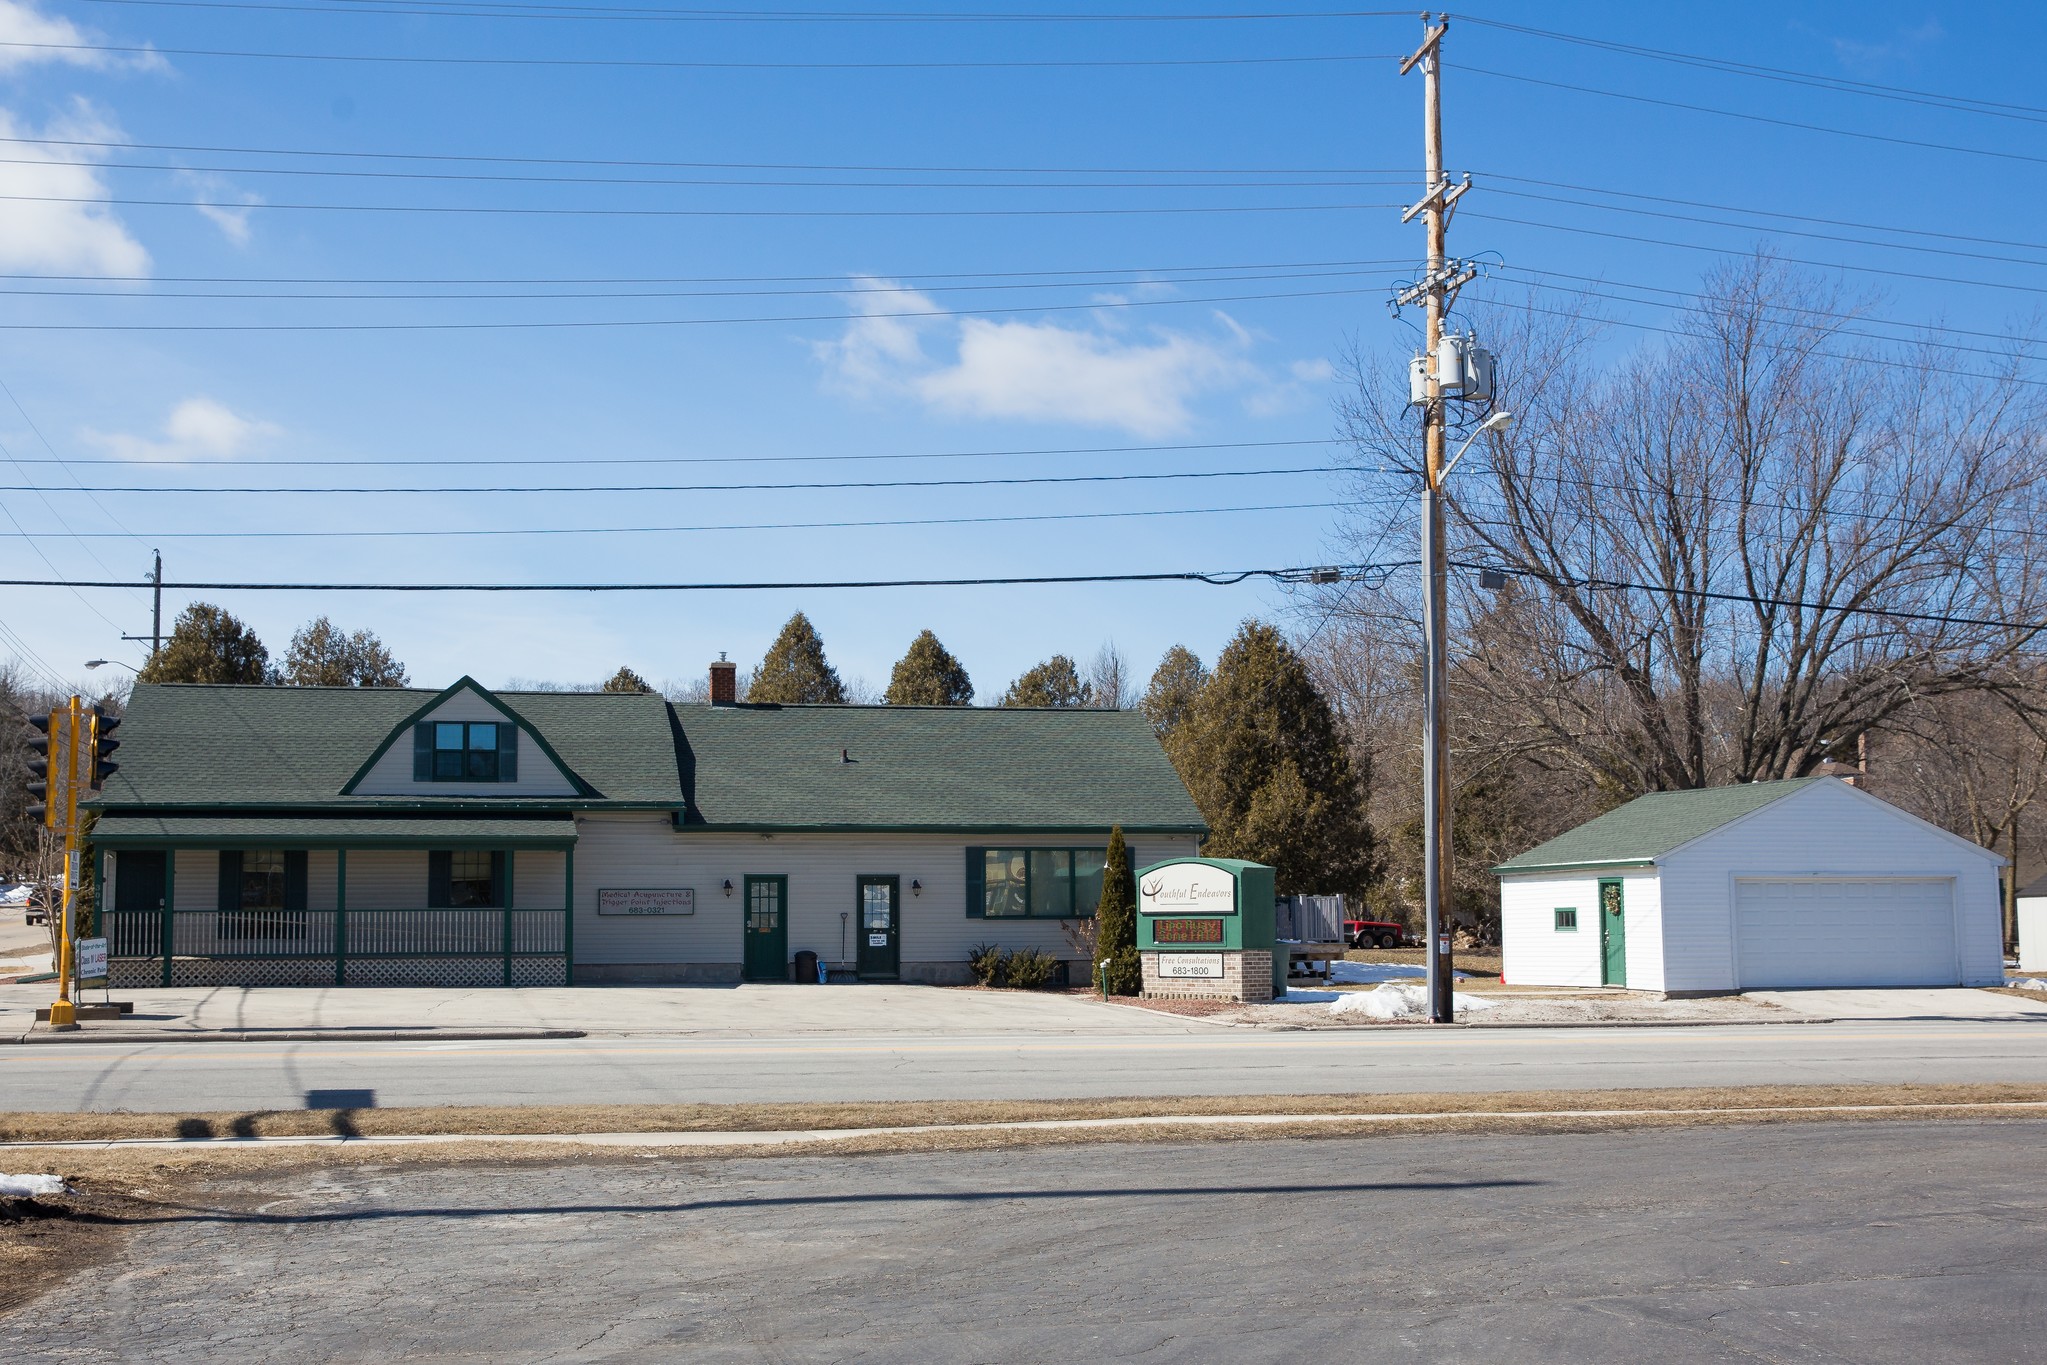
(795, 669)
(1261, 753)
(1055, 682)
(1116, 922)
(928, 675)
(322, 656)
(625, 680)
(1174, 686)
(208, 646)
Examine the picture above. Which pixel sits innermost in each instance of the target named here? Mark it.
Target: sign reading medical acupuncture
(677, 900)
(1187, 888)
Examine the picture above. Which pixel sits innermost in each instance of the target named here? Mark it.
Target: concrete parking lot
(1869, 1243)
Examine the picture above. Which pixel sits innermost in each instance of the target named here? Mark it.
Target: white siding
(195, 878)
(386, 879)
(538, 775)
(1827, 829)
(1534, 952)
(2032, 933)
(631, 850)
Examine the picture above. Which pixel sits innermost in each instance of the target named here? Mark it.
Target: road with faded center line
(182, 1076)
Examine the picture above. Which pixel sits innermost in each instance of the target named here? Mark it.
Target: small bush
(1125, 973)
(986, 961)
(1028, 969)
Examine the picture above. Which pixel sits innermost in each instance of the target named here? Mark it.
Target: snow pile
(2030, 984)
(1397, 1000)
(1365, 973)
(29, 1186)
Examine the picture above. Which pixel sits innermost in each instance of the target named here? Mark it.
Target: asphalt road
(1868, 1243)
(231, 1075)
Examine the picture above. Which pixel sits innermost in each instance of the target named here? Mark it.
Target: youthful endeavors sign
(1187, 888)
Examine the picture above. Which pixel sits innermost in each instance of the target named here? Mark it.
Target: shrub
(1028, 969)
(986, 961)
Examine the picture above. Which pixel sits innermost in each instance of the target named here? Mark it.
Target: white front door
(1846, 931)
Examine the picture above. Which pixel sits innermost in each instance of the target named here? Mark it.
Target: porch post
(569, 916)
(509, 897)
(169, 907)
(341, 917)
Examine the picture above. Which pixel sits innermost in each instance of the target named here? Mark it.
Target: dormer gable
(465, 742)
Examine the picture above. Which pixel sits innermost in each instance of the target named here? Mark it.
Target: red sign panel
(1187, 930)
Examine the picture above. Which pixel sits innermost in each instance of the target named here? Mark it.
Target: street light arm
(1497, 422)
(102, 663)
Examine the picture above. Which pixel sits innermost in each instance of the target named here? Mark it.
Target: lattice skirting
(134, 973)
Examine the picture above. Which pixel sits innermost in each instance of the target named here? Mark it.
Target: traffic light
(98, 768)
(42, 763)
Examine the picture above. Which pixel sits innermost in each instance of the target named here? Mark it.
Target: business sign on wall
(676, 900)
(1187, 888)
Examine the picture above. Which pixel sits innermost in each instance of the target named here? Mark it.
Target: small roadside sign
(92, 960)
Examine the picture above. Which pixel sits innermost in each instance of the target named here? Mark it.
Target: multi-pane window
(1567, 919)
(1041, 883)
(260, 896)
(465, 751)
(472, 878)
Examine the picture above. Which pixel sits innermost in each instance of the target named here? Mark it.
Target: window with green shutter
(1034, 883)
(465, 751)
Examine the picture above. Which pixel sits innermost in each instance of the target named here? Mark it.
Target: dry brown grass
(2039, 997)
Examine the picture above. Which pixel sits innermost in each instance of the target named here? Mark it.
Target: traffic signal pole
(63, 1014)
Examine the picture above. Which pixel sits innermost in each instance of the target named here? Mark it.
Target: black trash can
(806, 968)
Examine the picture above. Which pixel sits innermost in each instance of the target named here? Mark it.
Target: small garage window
(1567, 920)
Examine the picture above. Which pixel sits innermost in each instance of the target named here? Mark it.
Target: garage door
(1812, 931)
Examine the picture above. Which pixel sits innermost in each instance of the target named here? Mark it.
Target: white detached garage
(1809, 882)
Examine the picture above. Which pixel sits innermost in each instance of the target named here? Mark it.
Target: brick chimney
(724, 681)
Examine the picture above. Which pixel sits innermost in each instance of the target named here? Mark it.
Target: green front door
(1613, 936)
(767, 929)
(877, 958)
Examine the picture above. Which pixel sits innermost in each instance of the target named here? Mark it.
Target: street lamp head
(97, 663)
(1498, 421)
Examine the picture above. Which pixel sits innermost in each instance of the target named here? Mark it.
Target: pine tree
(208, 646)
(323, 656)
(1116, 922)
(795, 669)
(1174, 685)
(928, 675)
(1055, 682)
(1261, 753)
(625, 680)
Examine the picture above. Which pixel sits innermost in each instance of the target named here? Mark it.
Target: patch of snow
(2030, 984)
(29, 1186)
(1299, 997)
(1398, 1000)
(1365, 973)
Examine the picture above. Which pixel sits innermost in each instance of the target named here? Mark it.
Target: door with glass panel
(878, 957)
(766, 955)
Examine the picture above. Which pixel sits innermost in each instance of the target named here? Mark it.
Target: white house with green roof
(308, 835)
(1804, 883)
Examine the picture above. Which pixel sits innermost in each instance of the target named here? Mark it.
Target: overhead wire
(586, 13)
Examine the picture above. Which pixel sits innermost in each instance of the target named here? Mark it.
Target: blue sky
(1218, 324)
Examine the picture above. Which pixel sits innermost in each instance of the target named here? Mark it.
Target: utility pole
(1442, 373)
(155, 636)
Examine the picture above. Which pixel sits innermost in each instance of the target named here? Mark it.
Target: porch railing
(353, 935)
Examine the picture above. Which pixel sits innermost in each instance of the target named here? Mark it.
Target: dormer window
(465, 751)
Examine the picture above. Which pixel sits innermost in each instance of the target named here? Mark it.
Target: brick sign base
(1247, 977)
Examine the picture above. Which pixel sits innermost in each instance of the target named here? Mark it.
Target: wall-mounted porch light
(916, 887)
(728, 886)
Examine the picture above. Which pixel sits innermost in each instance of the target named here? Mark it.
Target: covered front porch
(233, 900)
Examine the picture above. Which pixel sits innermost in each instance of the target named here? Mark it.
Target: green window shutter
(508, 753)
(294, 879)
(977, 887)
(423, 751)
(497, 879)
(229, 896)
(440, 870)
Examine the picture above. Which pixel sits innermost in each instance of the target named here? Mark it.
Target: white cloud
(37, 230)
(1094, 373)
(28, 36)
(198, 428)
(233, 222)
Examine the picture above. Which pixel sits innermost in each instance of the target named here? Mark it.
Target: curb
(297, 1036)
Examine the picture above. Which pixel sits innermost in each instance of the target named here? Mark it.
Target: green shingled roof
(326, 831)
(928, 767)
(189, 745)
(249, 751)
(1650, 826)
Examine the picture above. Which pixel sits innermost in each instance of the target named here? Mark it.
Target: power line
(655, 322)
(712, 487)
(442, 533)
(455, 9)
(1760, 118)
(652, 63)
(1839, 84)
(581, 460)
(513, 210)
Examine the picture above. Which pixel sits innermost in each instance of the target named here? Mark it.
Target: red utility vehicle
(1374, 933)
